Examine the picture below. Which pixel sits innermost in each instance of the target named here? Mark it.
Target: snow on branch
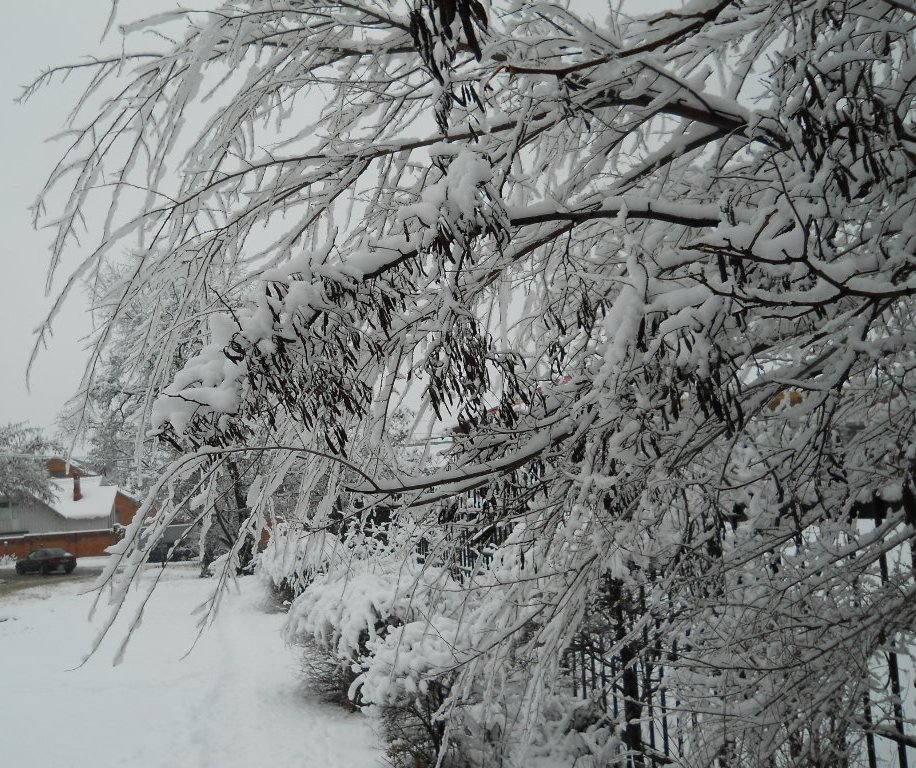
(610, 322)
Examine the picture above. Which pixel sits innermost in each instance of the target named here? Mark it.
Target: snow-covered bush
(363, 624)
(290, 559)
(400, 665)
(351, 607)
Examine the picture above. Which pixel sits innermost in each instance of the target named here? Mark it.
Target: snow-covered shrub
(332, 627)
(326, 676)
(352, 605)
(347, 612)
(290, 559)
(399, 665)
(407, 674)
(569, 731)
(379, 633)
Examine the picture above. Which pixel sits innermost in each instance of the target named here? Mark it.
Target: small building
(85, 517)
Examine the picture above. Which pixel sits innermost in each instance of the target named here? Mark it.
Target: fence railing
(628, 683)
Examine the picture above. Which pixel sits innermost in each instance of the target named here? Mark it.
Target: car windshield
(55, 552)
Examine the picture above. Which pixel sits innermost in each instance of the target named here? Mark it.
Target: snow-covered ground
(238, 699)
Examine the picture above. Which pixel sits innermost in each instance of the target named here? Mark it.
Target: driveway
(11, 582)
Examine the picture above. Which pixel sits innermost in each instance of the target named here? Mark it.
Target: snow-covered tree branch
(23, 465)
(653, 276)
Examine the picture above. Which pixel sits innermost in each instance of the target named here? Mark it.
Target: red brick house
(85, 517)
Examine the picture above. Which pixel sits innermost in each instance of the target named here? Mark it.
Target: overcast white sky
(34, 35)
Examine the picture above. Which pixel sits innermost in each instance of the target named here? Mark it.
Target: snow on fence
(628, 684)
(466, 551)
(627, 681)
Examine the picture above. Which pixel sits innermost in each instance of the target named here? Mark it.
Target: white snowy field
(238, 699)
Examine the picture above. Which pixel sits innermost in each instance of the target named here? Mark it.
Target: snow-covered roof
(98, 500)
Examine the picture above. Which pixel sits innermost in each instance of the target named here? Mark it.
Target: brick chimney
(77, 493)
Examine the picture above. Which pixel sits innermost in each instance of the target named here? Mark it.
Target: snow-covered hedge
(350, 608)
(290, 559)
(400, 664)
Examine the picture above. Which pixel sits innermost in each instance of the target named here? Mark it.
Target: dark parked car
(160, 553)
(46, 560)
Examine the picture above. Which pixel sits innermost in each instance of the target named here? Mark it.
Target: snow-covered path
(237, 700)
